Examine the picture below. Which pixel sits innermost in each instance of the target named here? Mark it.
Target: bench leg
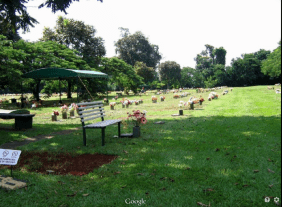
(84, 137)
(119, 129)
(103, 136)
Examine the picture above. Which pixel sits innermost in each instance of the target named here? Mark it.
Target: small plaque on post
(9, 157)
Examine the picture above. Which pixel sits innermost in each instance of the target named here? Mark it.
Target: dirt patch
(61, 164)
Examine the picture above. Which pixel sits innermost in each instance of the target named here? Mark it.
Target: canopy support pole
(60, 91)
(37, 90)
(77, 88)
(22, 94)
(107, 91)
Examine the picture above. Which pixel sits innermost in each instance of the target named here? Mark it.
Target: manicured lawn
(219, 153)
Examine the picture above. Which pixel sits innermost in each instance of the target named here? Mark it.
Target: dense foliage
(137, 48)
(170, 73)
(272, 65)
(79, 36)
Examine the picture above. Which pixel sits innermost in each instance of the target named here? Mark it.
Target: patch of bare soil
(61, 164)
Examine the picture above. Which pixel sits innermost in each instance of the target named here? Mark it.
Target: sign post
(10, 157)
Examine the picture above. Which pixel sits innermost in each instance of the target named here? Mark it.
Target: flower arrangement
(64, 108)
(55, 113)
(154, 98)
(137, 118)
(73, 107)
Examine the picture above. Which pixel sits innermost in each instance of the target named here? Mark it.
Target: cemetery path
(14, 145)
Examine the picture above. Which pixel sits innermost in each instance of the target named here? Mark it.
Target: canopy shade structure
(59, 73)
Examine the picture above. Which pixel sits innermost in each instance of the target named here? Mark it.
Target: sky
(181, 28)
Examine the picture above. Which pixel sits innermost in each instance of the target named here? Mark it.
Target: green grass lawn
(209, 155)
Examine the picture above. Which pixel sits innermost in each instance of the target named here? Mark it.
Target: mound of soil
(61, 164)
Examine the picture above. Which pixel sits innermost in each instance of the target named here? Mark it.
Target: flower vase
(64, 115)
(54, 117)
(71, 113)
(136, 131)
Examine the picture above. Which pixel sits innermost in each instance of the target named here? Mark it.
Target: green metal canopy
(59, 73)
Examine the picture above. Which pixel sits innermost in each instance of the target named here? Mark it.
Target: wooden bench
(93, 110)
(23, 118)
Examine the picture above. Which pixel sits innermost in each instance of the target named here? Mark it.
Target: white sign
(9, 157)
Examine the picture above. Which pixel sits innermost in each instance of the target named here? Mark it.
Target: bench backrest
(90, 111)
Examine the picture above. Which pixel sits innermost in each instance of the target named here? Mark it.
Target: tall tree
(147, 73)
(220, 56)
(187, 77)
(10, 64)
(121, 73)
(170, 73)
(79, 36)
(137, 48)
(272, 65)
(48, 54)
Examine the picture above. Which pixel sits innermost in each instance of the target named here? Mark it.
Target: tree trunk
(69, 89)
(37, 90)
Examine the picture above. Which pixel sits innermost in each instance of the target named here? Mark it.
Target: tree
(272, 65)
(13, 16)
(59, 5)
(137, 48)
(210, 82)
(10, 64)
(147, 73)
(220, 56)
(121, 74)
(79, 36)
(48, 54)
(170, 73)
(187, 77)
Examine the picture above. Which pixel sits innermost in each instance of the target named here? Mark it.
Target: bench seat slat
(94, 117)
(88, 111)
(102, 124)
(87, 115)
